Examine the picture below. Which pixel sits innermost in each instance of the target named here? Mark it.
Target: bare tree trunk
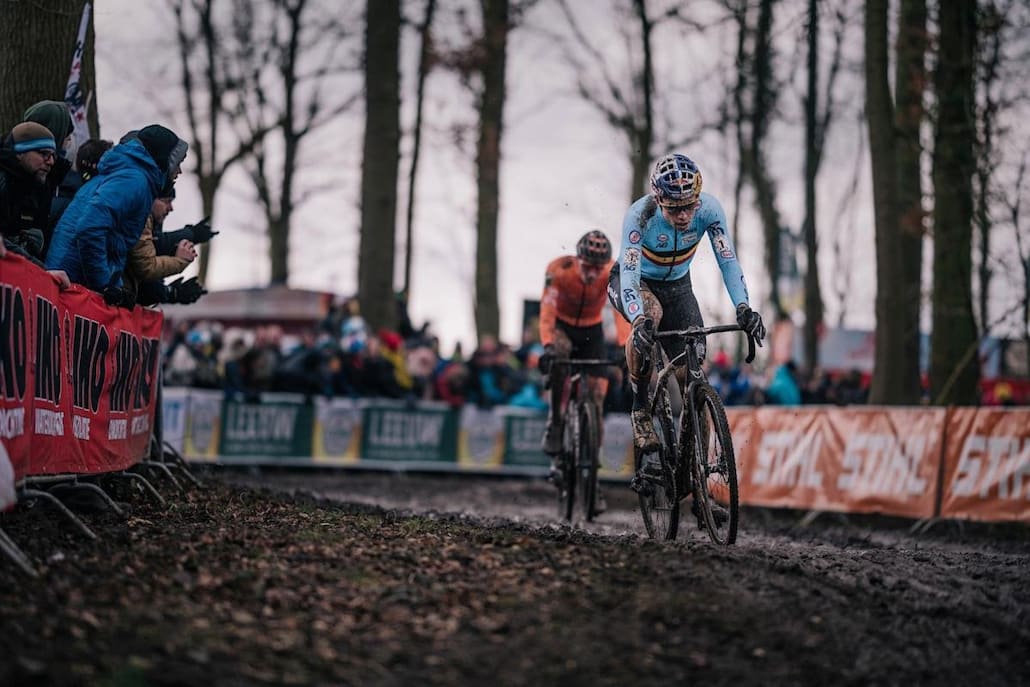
(813, 294)
(909, 113)
(379, 169)
(425, 52)
(488, 162)
(989, 63)
(887, 379)
(954, 363)
(643, 134)
(37, 40)
(763, 104)
(740, 115)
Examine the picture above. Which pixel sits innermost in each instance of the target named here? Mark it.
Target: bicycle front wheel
(588, 450)
(714, 469)
(659, 503)
(567, 467)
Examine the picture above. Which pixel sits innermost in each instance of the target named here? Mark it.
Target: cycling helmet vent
(594, 248)
(676, 179)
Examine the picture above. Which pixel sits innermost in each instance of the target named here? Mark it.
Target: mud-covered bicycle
(579, 459)
(695, 455)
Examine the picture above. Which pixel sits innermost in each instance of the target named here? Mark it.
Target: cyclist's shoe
(649, 475)
(552, 438)
(718, 514)
(644, 436)
(556, 475)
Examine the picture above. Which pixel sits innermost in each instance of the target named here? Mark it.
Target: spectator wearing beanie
(26, 156)
(55, 116)
(106, 217)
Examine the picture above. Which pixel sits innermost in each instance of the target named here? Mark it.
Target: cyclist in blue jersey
(650, 282)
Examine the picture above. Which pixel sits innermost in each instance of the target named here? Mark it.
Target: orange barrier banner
(870, 460)
(987, 465)
(78, 379)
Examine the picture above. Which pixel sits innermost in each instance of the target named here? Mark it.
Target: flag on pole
(77, 102)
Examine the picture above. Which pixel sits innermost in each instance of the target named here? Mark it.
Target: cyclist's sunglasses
(676, 209)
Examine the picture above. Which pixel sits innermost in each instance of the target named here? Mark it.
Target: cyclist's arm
(549, 305)
(629, 263)
(725, 255)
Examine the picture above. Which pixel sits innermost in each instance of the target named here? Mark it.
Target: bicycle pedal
(642, 485)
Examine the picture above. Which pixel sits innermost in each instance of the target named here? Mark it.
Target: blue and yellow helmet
(676, 180)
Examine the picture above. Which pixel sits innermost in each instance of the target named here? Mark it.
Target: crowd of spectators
(92, 212)
(341, 357)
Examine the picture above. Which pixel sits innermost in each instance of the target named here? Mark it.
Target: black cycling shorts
(679, 307)
(587, 343)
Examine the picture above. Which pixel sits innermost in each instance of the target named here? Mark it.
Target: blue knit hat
(32, 136)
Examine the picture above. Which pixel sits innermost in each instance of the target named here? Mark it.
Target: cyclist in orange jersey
(575, 295)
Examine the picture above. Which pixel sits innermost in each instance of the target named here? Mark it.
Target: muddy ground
(378, 579)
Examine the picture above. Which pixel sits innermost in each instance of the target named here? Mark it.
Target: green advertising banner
(400, 433)
(266, 429)
(523, 432)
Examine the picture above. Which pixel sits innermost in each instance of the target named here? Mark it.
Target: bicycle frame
(695, 374)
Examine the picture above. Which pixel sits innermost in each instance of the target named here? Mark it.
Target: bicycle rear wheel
(714, 469)
(659, 504)
(588, 450)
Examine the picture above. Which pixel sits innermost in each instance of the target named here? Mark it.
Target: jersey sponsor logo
(715, 228)
(663, 240)
(722, 245)
(628, 295)
(634, 308)
(634, 237)
(631, 258)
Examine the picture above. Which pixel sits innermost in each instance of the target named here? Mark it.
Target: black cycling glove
(751, 322)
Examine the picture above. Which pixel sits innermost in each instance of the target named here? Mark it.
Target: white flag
(73, 95)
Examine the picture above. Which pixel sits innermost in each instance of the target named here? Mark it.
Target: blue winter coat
(106, 217)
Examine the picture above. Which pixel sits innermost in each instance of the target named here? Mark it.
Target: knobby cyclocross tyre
(588, 449)
(660, 506)
(567, 461)
(714, 469)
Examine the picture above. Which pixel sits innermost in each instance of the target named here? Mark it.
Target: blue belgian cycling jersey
(652, 248)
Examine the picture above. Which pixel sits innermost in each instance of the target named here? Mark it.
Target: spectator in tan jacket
(146, 268)
(144, 263)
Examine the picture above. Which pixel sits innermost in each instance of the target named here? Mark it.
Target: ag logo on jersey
(634, 237)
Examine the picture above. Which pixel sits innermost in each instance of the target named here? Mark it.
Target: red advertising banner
(78, 378)
(869, 460)
(987, 465)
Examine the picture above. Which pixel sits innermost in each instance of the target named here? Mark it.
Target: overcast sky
(564, 172)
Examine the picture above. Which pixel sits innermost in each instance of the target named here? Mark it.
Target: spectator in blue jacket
(105, 218)
(784, 389)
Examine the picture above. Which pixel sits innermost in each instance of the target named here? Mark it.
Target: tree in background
(37, 40)
(257, 79)
(496, 25)
(896, 368)
(379, 169)
(620, 84)
(817, 125)
(954, 363)
(425, 63)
